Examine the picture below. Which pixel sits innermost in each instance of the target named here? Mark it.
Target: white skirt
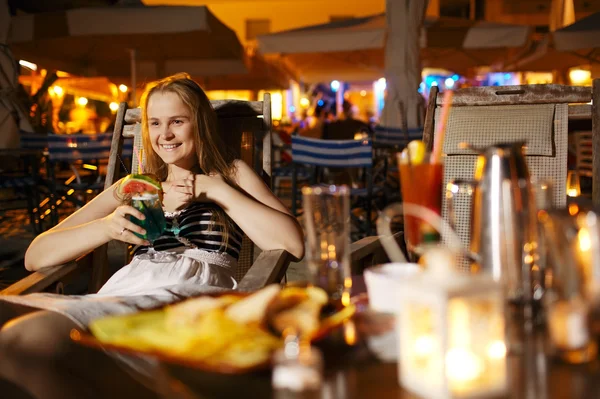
(142, 284)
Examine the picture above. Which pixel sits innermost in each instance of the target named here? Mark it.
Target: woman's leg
(9, 311)
(37, 354)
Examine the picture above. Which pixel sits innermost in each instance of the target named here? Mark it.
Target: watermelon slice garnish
(139, 184)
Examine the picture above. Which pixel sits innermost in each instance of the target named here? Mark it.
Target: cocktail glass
(155, 224)
(421, 184)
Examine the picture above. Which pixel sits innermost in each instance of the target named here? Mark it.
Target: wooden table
(354, 372)
(531, 376)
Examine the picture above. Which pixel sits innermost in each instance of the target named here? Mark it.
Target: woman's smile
(170, 147)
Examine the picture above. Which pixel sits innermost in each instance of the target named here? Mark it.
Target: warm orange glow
(573, 209)
(585, 242)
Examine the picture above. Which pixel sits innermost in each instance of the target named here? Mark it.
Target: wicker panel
(246, 258)
(543, 127)
(481, 126)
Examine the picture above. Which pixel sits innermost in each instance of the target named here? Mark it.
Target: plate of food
(228, 333)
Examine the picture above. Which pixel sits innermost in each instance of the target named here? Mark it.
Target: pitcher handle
(390, 245)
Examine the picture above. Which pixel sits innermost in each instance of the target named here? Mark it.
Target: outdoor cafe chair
(535, 114)
(23, 185)
(313, 154)
(246, 126)
(85, 155)
(387, 142)
(20, 184)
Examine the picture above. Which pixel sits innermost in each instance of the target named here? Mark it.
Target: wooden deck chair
(246, 124)
(536, 114)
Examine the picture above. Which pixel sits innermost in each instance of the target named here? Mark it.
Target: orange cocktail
(421, 184)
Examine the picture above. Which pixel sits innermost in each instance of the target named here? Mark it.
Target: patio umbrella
(583, 35)
(354, 49)
(141, 42)
(542, 56)
(13, 116)
(260, 74)
(574, 45)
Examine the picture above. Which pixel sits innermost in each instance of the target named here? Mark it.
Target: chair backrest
(85, 147)
(332, 153)
(340, 154)
(246, 129)
(536, 114)
(33, 141)
(396, 138)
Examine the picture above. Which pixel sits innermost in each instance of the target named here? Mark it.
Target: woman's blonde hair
(212, 156)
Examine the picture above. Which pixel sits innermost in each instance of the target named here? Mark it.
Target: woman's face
(171, 129)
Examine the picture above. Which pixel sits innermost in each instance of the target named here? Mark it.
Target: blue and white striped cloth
(71, 147)
(396, 136)
(33, 141)
(332, 153)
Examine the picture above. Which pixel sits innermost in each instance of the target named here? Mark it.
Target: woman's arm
(261, 215)
(96, 223)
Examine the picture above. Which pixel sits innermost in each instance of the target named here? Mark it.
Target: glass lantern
(452, 336)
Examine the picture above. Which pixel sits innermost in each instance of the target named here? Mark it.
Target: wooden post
(430, 118)
(596, 142)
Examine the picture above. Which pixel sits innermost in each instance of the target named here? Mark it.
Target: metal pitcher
(503, 226)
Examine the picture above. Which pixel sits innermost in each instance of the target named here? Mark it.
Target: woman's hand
(179, 193)
(207, 186)
(118, 227)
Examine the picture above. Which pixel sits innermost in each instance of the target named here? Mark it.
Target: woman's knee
(38, 336)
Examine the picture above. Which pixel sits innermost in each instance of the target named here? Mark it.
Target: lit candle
(462, 365)
(573, 186)
(567, 324)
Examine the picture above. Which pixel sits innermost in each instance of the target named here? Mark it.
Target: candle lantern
(452, 335)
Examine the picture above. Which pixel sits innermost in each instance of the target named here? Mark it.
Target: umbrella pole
(132, 59)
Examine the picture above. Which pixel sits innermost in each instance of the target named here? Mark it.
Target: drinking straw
(140, 161)
(441, 128)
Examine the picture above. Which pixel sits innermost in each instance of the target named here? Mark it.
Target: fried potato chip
(222, 331)
(252, 309)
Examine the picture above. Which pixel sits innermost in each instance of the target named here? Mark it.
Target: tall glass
(421, 184)
(155, 224)
(327, 227)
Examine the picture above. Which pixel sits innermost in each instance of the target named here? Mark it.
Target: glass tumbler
(327, 230)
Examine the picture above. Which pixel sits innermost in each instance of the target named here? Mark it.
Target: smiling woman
(209, 200)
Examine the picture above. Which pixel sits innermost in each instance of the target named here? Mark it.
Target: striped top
(192, 227)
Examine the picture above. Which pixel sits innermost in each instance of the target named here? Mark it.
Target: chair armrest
(368, 251)
(43, 278)
(268, 268)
